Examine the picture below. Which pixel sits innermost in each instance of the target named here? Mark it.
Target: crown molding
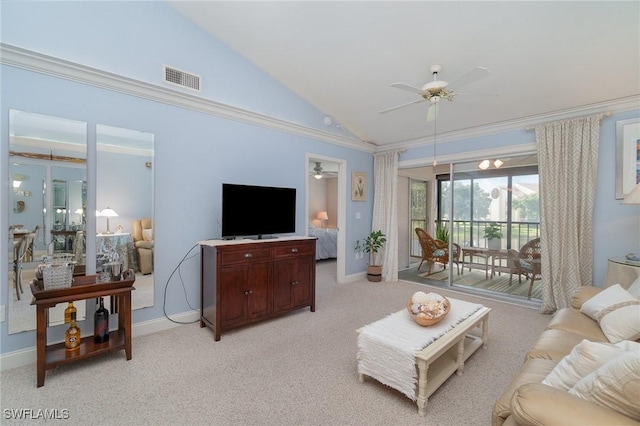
(44, 64)
(629, 103)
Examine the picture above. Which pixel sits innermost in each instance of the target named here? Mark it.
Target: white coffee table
(446, 355)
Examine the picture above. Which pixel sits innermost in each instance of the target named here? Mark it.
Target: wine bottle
(72, 335)
(67, 312)
(101, 324)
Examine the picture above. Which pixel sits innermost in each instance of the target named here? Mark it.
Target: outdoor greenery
(528, 207)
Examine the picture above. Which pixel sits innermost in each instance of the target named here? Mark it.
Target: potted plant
(493, 234)
(442, 233)
(372, 244)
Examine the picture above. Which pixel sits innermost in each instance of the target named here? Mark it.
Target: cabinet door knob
(294, 283)
(248, 292)
(294, 250)
(247, 255)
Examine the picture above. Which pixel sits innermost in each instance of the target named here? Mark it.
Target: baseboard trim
(27, 356)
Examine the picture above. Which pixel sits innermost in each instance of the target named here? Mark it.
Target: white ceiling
(546, 58)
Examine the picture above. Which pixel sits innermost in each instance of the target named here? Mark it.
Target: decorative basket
(57, 275)
(426, 321)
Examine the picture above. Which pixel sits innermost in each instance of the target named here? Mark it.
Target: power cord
(177, 268)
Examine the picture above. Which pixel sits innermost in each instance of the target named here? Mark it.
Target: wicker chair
(527, 263)
(436, 251)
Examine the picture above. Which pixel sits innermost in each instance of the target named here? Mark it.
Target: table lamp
(108, 212)
(322, 216)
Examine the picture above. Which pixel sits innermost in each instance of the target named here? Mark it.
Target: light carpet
(298, 369)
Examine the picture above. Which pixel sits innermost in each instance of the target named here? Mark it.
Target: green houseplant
(493, 234)
(442, 233)
(372, 244)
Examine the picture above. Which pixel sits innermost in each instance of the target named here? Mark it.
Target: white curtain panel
(385, 212)
(567, 159)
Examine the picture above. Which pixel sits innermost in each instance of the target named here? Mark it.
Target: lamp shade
(108, 212)
(633, 197)
(323, 216)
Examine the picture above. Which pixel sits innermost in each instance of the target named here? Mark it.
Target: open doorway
(474, 204)
(326, 194)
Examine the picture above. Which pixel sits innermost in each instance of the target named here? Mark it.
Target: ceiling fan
(436, 90)
(319, 172)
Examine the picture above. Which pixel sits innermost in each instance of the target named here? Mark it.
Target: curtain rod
(604, 114)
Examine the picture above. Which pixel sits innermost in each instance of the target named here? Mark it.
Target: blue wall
(196, 152)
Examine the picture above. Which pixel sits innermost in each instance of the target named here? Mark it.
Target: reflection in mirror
(47, 157)
(125, 206)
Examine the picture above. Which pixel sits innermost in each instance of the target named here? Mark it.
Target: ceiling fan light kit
(318, 170)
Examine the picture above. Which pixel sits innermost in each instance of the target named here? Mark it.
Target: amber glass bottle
(67, 312)
(72, 335)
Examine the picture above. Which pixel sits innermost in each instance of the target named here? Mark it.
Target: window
(508, 197)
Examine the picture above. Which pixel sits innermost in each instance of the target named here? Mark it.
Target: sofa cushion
(622, 322)
(555, 344)
(582, 294)
(615, 385)
(532, 371)
(608, 297)
(584, 358)
(573, 320)
(537, 404)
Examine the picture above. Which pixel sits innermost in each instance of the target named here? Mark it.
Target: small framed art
(358, 186)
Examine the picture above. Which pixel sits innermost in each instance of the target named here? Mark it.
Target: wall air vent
(181, 78)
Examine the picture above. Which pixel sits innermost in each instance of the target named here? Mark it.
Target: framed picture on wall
(627, 156)
(358, 186)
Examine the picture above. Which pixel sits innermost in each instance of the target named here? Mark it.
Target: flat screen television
(257, 211)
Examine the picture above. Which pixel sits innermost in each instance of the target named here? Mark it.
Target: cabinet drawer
(293, 249)
(247, 255)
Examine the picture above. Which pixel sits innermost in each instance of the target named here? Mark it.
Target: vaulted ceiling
(545, 59)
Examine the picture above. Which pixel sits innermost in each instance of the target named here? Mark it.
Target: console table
(83, 287)
(246, 281)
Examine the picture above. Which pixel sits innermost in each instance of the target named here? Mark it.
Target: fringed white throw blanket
(387, 347)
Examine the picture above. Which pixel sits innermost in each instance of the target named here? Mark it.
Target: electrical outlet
(1, 313)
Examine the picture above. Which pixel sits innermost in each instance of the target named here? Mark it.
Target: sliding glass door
(491, 209)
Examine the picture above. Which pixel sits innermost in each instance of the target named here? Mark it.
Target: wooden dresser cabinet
(246, 281)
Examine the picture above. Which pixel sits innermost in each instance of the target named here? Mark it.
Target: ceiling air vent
(181, 78)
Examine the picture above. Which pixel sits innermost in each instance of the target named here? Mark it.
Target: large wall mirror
(47, 170)
(125, 221)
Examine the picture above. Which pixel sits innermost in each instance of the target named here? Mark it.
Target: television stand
(244, 282)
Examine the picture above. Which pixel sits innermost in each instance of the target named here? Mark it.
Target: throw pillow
(634, 288)
(608, 297)
(585, 358)
(147, 234)
(621, 322)
(615, 385)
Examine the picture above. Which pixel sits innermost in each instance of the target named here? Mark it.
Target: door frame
(342, 207)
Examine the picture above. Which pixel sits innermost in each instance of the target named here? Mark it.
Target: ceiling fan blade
(384, 111)
(474, 75)
(408, 88)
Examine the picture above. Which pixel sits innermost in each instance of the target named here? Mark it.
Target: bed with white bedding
(326, 243)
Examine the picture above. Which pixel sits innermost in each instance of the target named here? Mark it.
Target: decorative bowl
(426, 321)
